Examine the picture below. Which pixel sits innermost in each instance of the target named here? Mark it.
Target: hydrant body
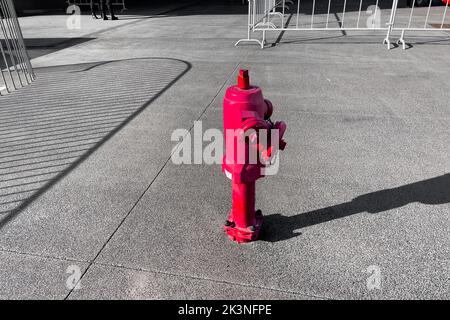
(246, 114)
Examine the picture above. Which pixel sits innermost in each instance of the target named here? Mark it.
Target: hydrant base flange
(243, 235)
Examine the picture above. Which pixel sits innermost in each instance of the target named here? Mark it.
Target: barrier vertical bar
(8, 51)
(391, 23)
(14, 53)
(343, 13)
(22, 42)
(5, 84)
(13, 50)
(428, 15)
(328, 13)
(313, 11)
(376, 11)
(359, 13)
(298, 13)
(14, 34)
(444, 15)
(412, 13)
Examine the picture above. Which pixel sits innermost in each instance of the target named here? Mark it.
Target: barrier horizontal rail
(342, 15)
(15, 66)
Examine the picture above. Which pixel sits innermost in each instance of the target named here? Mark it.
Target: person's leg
(94, 15)
(103, 9)
(111, 9)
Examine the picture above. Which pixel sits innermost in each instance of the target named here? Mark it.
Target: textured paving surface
(364, 181)
(56, 126)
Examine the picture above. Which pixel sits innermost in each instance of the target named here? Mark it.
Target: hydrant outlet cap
(244, 80)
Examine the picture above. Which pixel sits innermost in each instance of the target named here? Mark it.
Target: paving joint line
(193, 277)
(418, 117)
(43, 256)
(154, 179)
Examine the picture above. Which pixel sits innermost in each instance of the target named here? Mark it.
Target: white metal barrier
(343, 15)
(430, 18)
(88, 3)
(15, 67)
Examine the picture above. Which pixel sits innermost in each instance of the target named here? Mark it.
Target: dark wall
(32, 5)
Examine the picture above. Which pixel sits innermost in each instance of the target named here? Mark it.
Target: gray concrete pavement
(363, 182)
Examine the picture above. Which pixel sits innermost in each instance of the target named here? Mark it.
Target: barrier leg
(402, 40)
(391, 24)
(263, 43)
(251, 5)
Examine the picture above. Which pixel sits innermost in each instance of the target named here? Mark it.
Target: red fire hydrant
(246, 121)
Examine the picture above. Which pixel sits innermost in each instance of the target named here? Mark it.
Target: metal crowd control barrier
(342, 15)
(15, 67)
(88, 3)
(434, 19)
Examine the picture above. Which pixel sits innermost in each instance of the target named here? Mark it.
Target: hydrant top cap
(243, 80)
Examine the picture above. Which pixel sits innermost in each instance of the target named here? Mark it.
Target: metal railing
(421, 19)
(80, 3)
(15, 67)
(343, 15)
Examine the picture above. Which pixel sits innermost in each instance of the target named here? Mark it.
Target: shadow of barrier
(50, 127)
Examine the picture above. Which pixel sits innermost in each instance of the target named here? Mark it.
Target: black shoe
(105, 18)
(114, 18)
(94, 16)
